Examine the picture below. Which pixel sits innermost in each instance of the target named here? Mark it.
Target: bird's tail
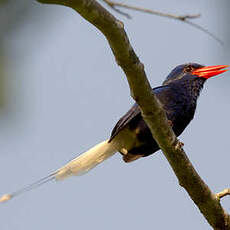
(78, 166)
(87, 160)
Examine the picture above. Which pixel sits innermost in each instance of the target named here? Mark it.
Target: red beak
(210, 71)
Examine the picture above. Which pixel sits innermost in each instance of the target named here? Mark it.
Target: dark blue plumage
(178, 95)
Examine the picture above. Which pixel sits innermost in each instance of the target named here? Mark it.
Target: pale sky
(65, 93)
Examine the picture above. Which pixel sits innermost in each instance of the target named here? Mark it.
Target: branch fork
(225, 192)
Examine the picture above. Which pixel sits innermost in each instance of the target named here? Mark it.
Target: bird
(131, 136)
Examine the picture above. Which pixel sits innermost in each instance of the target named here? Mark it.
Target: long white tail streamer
(78, 166)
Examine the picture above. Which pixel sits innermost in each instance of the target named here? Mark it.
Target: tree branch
(183, 18)
(152, 111)
(113, 5)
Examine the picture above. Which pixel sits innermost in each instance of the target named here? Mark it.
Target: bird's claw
(179, 145)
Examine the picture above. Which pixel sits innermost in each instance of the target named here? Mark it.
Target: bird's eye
(188, 69)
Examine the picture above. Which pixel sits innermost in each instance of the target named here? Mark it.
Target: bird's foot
(179, 145)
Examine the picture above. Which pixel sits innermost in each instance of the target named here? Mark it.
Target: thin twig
(222, 194)
(205, 31)
(184, 18)
(113, 5)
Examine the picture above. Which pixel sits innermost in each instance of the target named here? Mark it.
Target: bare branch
(151, 109)
(113, 6)
(222, 194)
(155, 12)
(183, 18)
(205, 31)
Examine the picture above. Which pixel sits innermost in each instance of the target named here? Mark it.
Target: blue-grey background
(61, 92)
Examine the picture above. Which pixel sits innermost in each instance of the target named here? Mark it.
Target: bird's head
(193, 71)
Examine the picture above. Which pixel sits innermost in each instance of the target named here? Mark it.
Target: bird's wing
(133, 113)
